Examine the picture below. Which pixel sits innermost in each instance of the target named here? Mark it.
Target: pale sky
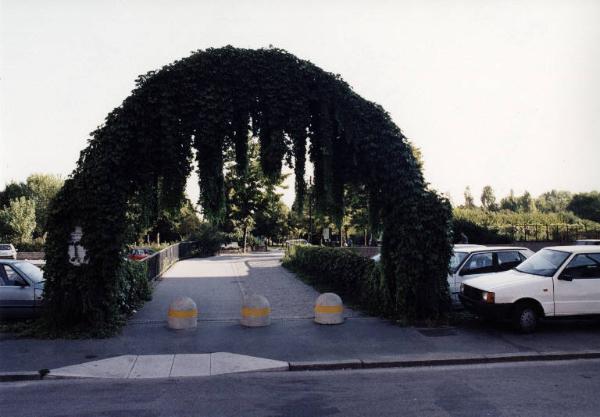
(496, 92)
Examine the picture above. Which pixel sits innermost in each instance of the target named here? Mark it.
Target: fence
(159, 262)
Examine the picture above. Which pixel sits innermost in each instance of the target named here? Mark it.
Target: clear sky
(505, 93)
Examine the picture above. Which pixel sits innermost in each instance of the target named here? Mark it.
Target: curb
(414, 362)
(401, 361)
(20, 376)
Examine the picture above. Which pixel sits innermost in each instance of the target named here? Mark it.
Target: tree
(553, 201)
(19, 219)
(43, 188)
(243, 191)
(13, 191)
(488, 199)
(586, 205)
(510, 202)
(526, 203)
(189, 223)
(469, 200)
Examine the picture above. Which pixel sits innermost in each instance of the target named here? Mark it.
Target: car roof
(471, 249)
(576, 248)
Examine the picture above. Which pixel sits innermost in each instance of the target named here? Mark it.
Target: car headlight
(488, 297)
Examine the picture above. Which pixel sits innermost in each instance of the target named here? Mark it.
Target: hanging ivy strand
(209, 104)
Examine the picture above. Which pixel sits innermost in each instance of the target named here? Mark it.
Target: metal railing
(160, 261)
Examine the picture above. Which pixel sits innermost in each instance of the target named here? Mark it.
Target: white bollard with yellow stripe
(329, 309)
(256, 311)
(183, 314)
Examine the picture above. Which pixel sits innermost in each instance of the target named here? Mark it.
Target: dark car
(21, 289)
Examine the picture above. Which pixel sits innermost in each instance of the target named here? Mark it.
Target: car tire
(525, 318)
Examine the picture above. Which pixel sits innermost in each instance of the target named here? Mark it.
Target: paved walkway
(217, 285)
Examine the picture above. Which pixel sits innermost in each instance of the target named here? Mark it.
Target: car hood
(492, 282)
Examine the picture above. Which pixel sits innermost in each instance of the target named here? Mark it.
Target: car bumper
(495, 311)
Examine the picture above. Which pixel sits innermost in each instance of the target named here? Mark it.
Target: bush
(36, 245)
(476, 233)
(207, 240)
(133, 285)
(358, 280)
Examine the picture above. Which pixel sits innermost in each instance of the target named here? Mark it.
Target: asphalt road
(527, 389)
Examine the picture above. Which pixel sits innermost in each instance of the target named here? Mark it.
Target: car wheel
(525, 318)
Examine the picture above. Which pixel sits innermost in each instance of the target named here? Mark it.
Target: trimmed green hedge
(358, 280)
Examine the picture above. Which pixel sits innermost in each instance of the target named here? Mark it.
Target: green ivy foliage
(207, 102)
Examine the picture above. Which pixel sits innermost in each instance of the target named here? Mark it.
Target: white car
(588, 242)
(557, 281)
(7, 251)
(469, 261)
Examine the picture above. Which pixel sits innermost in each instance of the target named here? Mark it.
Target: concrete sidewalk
(217, 285)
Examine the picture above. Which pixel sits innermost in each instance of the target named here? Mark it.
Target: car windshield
(544, 263)
(456, 260)
(31, 271)
(5, 247)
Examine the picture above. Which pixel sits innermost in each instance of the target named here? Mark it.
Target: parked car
(7, 251)
(469, 261)
(21, 289)
(557, 281)
(137, 254)
(588, 242)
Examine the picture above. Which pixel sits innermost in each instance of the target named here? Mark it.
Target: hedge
(358, 280)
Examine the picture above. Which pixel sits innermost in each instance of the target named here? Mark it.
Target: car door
(16, 294)
(577, 287)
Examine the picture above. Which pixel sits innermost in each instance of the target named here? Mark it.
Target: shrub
(207, 240)
(36, 245)
(476, 233)
(133, 285)
(358, 280)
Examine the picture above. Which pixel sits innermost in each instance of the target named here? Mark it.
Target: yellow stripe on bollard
(255, 312)
(183, 314)
(329, 309)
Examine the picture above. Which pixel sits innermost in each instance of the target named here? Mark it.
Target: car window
(5, 247)
(29, 270)
(10, 278)
(456, 260)
(585, 265)
(544, 262)
(508, 260)
(480, 263)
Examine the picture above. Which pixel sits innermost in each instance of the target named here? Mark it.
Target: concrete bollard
(329, 309)
(183, 314)
(256, 311)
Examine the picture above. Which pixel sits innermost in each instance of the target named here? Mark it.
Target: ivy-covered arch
(209, 102)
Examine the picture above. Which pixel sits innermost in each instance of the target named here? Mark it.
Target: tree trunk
(245, 236)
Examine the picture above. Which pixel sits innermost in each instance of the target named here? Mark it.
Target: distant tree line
(489, 222)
